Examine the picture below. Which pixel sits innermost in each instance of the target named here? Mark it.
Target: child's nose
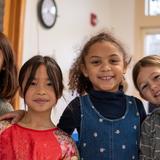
(41, 90)
(106, 67)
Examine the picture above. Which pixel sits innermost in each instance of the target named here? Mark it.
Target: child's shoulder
(154, 116)
(67, 144)
(135, 99)
(62, 135)
(151, 122)
(73, 104)
(132, 97)
(4, 125)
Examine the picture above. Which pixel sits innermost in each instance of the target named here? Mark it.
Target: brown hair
(77, 81)
(53, 70)
(8, 73)
(152, 60)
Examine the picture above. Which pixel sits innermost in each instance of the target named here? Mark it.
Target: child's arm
(15, 116)
(72, 151)
(70, 118)
(73, 158)
(67, 145)
(146, 148)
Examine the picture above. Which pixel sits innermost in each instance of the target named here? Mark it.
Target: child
(103, 115)
(8, 75)
(146, 77)
(35, 136)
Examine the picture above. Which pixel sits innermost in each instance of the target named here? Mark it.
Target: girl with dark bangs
(35, 136)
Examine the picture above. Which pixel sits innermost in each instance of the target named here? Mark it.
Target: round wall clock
(47, 13)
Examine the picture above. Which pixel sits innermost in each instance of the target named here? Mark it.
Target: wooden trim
(141, 22)
(13, 27)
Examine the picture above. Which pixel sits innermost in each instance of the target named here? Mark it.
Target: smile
(157, 94)
(40, 101)
(106, 77)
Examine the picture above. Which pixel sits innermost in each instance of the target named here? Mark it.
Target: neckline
(108, 119)
(35, 130)
(103, 94)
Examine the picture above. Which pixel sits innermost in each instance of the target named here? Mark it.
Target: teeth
(106, 78)
(157, 94)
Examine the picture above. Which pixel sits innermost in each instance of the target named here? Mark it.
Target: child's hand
(15, 116)
(74, 158)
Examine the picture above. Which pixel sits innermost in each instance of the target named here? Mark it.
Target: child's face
(1, 60)
(40, 95)
(148, 82)
(104, 66)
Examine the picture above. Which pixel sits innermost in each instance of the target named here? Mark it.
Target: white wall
(71, 30)
(123, 23)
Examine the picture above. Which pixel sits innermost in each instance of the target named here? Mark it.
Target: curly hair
(77, 81)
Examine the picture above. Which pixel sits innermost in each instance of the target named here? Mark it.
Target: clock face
(47, 12)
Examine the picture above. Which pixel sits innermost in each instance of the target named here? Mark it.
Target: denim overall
(106, 139)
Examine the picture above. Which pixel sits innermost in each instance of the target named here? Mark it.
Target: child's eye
(33, 83)
(114, 61)
(157, 77)
(143, 87)
(49, 84)
(95, 62)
